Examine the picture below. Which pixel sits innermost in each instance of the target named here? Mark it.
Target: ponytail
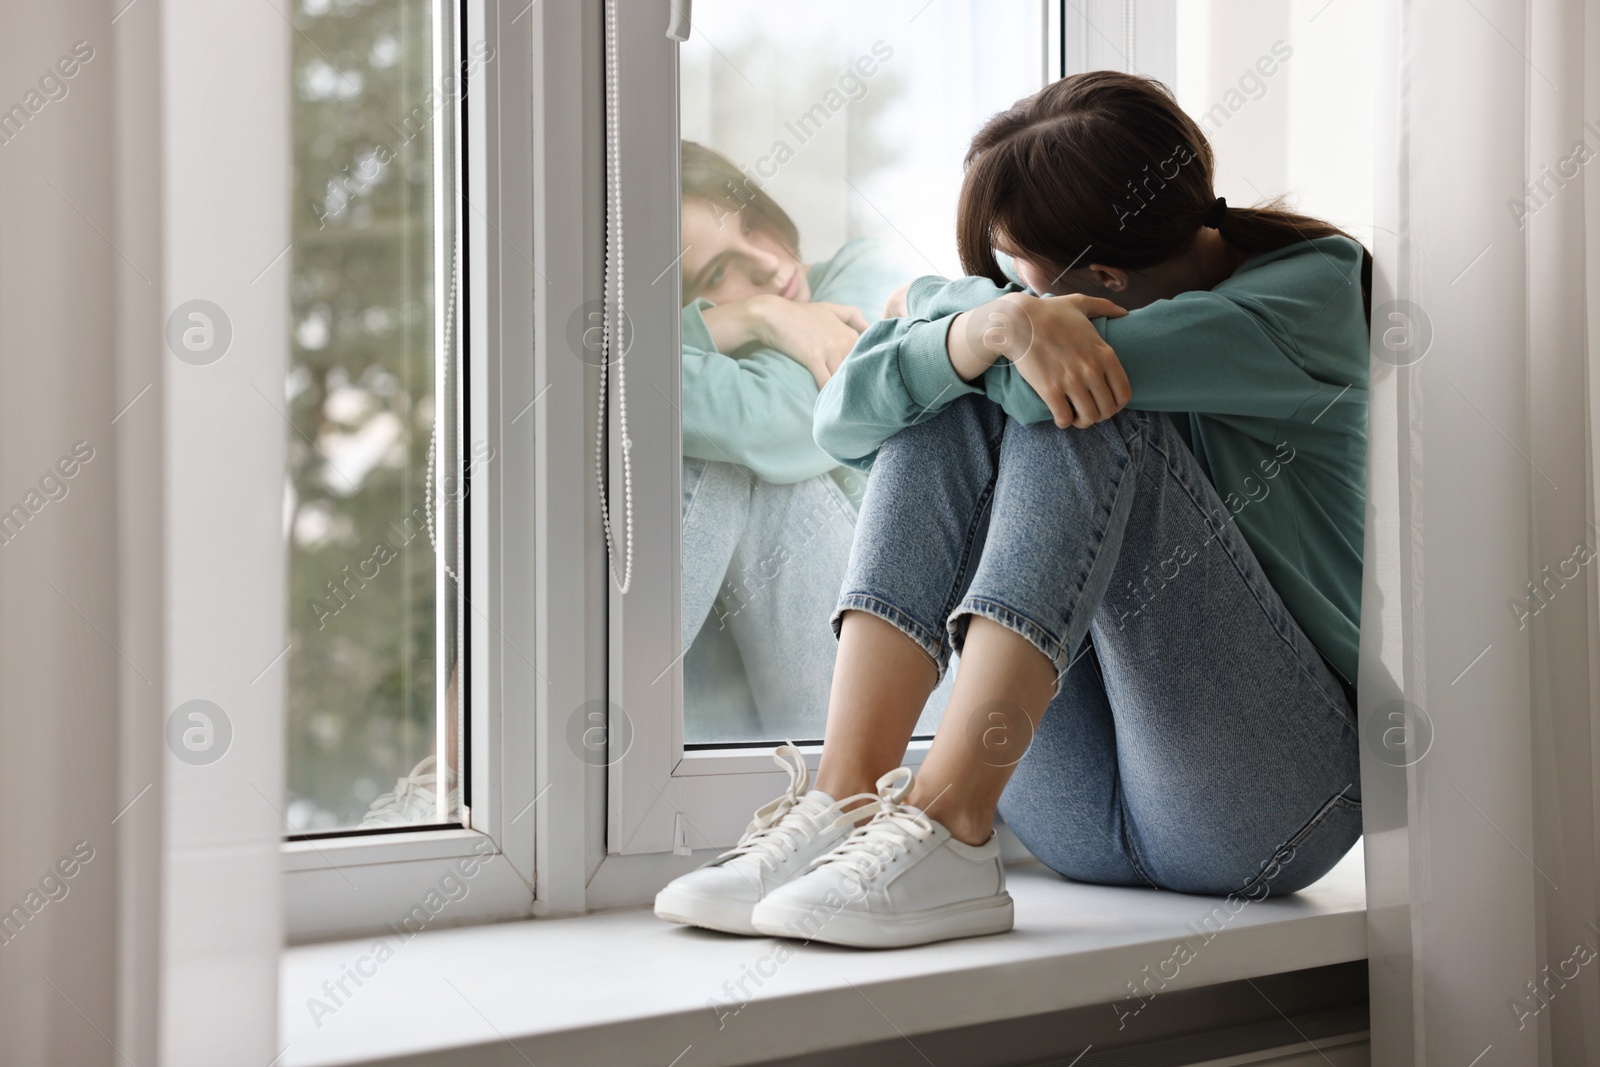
(1270, 227)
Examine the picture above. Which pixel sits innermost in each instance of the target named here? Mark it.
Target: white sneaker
(414, 799)
(898, 880)
(782, 839)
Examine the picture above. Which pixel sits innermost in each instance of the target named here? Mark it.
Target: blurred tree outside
(360, 395)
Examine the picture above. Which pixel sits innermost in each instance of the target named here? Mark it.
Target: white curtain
(1477, 687)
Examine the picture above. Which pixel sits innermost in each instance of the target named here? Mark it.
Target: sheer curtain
(1480, 659)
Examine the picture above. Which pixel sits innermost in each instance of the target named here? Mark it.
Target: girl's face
(727, 258)
(1040, 279)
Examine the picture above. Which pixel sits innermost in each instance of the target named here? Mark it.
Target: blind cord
(610, 339)
(438, 401)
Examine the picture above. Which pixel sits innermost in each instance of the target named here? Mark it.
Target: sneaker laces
(417, 790)
(893, 828)
(782, 825)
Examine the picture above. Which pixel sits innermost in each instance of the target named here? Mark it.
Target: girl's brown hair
(1105, 167)
(712, 177)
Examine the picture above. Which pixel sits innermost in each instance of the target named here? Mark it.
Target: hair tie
(1213, 217)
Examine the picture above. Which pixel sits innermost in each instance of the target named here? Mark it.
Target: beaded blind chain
(433, 444)
(612, 340)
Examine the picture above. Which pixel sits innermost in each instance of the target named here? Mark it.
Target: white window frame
(343, 886)
(660, 798)
(1136, 36)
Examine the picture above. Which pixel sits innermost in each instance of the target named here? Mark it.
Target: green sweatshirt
(1266, 376)
(757, 410)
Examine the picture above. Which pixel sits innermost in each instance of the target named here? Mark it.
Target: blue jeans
(1197, 740)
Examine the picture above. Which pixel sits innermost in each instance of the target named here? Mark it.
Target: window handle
(678, 23)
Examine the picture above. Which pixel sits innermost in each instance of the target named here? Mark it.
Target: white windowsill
(562, 989)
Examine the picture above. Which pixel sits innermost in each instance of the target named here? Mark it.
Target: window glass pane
(370, 709)
(822, 163)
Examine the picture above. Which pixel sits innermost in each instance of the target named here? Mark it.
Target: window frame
(1089, 37)
(352, 884)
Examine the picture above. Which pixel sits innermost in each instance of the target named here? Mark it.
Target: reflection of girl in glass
(768, 515)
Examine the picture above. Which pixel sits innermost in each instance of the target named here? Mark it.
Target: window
(407, 470)
(374, 483)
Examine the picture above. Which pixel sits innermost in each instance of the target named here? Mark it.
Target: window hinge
(680, 836)
(678, 21)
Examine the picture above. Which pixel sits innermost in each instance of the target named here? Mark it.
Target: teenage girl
(1121, 469)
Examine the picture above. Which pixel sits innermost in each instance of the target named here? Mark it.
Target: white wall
(1306, 128)
(60, 675)
(152, 575)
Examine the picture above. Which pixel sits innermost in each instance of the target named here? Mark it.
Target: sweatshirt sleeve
(1198, 352)
(899, 374)
(1229, 351)
(1265, 343)
(755, 411)
(1255, 346)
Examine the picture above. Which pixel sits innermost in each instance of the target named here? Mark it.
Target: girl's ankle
(969, 824)
(968, 829)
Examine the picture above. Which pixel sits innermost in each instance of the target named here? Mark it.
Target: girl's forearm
(979, 337)
(732, 325)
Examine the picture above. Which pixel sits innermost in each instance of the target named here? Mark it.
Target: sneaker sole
(967, 918)
(694, 909)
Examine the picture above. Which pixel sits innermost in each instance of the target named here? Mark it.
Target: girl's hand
(816, 335)
(1057, 351)
(895, 306)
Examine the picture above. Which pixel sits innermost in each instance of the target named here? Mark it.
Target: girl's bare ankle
(966, 823)
(838, 789)
(969, 829)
